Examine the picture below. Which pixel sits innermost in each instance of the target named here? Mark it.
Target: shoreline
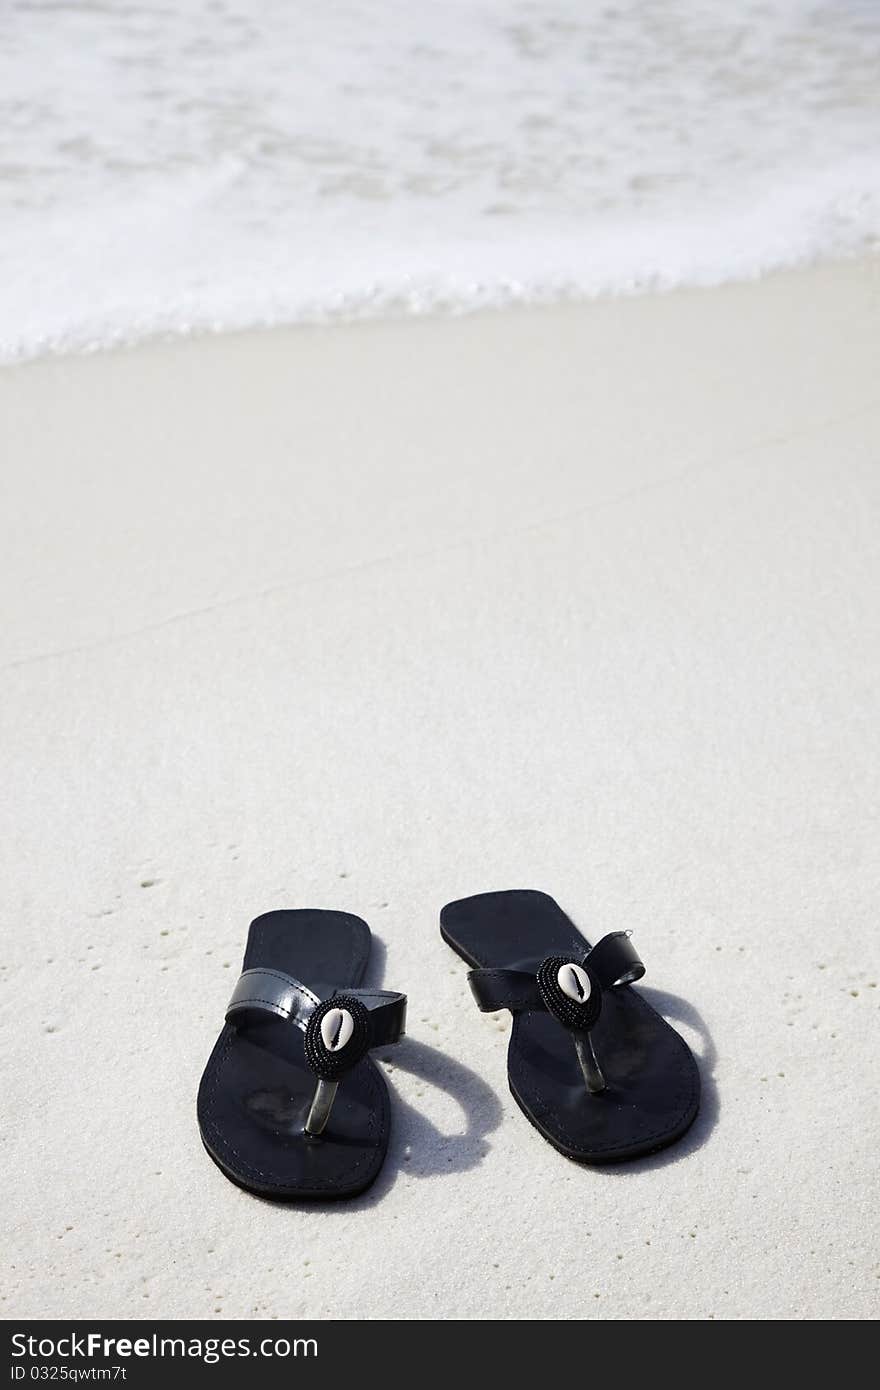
(865, 261)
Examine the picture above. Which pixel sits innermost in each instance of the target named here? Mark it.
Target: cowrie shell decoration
(337, 1036)
(337, 1027)
(570, 992)
(574, 982)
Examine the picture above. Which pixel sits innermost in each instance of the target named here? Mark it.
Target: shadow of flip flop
(417, 1146)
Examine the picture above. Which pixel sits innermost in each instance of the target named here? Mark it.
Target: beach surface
(372, 617)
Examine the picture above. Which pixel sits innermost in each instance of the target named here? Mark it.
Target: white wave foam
(228, 163)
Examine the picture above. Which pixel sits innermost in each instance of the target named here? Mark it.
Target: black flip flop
(591, 1064)
(269, 1111)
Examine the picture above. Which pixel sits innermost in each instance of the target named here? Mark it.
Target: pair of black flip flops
(291, 1104)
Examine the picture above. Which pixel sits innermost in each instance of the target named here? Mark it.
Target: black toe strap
(261, 992)
(505, 989)
(339, 1030)
(613, 961)
(387, 1014)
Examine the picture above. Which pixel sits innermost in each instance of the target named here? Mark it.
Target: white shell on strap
(574, 982)
(337, 1026)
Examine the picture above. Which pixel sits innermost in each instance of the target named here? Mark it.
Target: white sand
(371, 618)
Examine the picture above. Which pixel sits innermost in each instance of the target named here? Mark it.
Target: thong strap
(338, 1030)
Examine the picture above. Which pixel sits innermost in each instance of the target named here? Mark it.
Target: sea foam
(226, 163)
